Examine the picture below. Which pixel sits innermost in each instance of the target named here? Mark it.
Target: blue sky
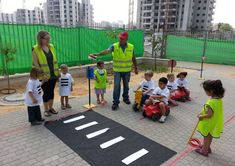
(114, 10)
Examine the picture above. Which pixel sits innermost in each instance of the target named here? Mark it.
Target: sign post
(89, 75)
(172, 64)
(203, 56)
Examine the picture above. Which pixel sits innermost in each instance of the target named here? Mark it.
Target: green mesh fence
(73, 45)
(191, 49)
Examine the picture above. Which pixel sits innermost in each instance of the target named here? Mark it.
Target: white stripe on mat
(96, 133)
(74, 119)
(128, 160)
(86, 125)
(111, 142)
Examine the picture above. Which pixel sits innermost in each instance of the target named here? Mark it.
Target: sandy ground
(81, 87)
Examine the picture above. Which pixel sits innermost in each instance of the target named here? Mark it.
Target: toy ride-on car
(153, 111)
(138, 97)
(180, 95)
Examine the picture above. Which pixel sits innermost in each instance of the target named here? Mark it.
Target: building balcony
(169, 2)
(146, 23)
(146, 17)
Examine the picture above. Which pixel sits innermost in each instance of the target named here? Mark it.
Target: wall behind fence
(190, 49)
(73, 45)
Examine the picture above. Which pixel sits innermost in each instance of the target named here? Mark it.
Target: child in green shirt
(100, 82)
(211, 118)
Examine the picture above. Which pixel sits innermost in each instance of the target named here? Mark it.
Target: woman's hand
(200, 117)
(34, 101)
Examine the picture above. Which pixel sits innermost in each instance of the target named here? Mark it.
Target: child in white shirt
(65, 86)
(147, 86)
(183, 83)
(33, 98)
(172, 86)
(162, 94)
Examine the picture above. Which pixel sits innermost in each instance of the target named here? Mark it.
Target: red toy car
(154, 112)
(180, 95)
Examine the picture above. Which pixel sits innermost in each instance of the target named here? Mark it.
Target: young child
(183, 83)
(162, 94)
(147, 86)
(100, 82)
(65, 86)
(33, 98)
(211, 118)
(172, 86)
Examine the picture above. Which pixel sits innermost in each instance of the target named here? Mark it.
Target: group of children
(33, 94)
(211, 116)
(163, 92)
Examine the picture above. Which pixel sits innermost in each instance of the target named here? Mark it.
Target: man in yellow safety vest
(123, 59)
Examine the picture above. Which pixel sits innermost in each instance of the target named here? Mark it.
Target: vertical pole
(153, 40)
(172, 65)
(89, 84)
(203, 53)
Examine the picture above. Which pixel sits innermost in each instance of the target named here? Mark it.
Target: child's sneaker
(35, 123)
(63, 107)
(162, 119)
(103, 102)
(68, 106)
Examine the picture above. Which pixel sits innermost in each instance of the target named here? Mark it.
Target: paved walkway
(21, 144)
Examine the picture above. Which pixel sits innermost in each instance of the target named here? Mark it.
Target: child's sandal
(202, 152)
(98, 102)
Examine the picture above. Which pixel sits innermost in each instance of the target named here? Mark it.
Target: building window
(198, 8)
(198, 14)
(202, 20)
(199, 1)
(204, 8)
(202, 27)
(197, 20)
(196, 27)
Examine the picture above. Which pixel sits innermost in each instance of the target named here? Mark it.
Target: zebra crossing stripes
(95, 138)
(135, 156)
(111, 142)
(74, 119)
(96, 133)
(86, 125)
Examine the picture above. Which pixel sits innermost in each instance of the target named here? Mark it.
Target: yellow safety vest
(101, 78)
(43, 62)
(122, 61)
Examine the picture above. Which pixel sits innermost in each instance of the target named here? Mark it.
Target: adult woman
(44, 58)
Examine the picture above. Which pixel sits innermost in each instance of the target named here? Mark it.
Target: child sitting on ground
(65, 86)
(100, 82)
(33, 97)
(172, 86)
(211, 118)
(182, 83)
(162, 94)
(147, 86)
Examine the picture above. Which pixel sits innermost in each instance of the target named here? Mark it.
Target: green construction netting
(73, 45)
(191, 49)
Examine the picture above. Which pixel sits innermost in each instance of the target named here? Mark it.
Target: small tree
(113, 34)
(7, 51)
(225, 27)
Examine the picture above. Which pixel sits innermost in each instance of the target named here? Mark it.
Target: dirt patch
(81, 87)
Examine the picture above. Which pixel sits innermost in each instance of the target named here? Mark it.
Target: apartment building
(68, 12)
(182, 15)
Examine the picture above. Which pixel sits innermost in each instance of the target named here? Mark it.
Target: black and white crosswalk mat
(103, 142)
